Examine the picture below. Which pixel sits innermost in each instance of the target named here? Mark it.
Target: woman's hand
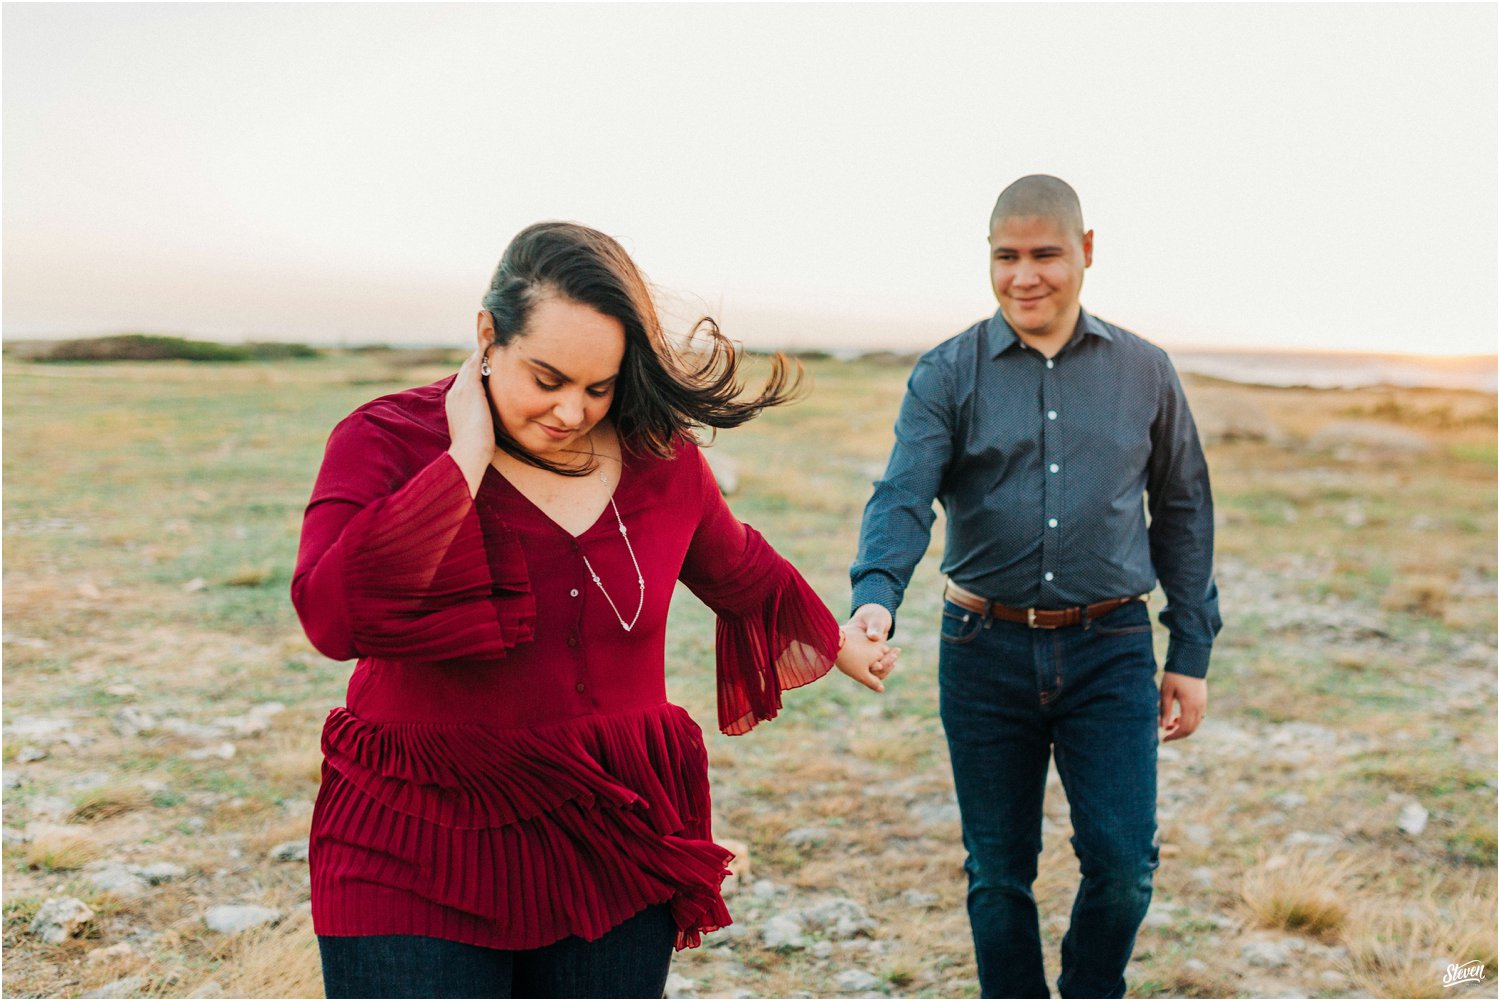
(471, 430)
(867, 661)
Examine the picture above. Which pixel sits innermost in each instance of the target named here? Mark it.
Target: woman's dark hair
(663, 392)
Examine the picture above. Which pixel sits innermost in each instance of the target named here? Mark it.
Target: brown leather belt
(1036, 618)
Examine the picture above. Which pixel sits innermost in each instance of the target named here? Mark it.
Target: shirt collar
(1001, 336)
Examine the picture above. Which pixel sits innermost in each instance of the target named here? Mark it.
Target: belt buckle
(1031, 621)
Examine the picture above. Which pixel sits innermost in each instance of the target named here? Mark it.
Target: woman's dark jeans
(629, 961)
(1010, 696)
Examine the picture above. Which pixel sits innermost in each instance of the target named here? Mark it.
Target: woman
(510, 806)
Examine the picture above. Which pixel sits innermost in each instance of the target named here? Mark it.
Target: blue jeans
(629, 961)
(1010, 696)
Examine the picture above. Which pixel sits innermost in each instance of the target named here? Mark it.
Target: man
(1041, 430)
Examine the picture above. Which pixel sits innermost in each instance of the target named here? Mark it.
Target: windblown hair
(663, 392)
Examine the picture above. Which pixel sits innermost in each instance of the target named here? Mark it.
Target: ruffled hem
(516, 838)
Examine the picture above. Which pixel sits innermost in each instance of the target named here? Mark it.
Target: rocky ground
(1329, 832)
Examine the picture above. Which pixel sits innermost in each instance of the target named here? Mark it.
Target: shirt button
(572, 641)
(1052, 415)
(1049, 362)
(578, 687)
(1053, 467)
(1051, 522)
(573, 593)
(1047, 575)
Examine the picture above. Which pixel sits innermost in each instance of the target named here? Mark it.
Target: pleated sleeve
(773, 632)
(394, 561)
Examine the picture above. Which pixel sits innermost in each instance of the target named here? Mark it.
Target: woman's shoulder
(415, 415)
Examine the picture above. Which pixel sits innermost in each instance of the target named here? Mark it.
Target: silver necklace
(639, 578)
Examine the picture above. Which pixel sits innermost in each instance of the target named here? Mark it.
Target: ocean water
(1341, 370)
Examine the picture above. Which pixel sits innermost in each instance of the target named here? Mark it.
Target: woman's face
(556, 379)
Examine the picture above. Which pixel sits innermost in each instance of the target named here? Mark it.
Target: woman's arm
(773, 631)
(394, 560)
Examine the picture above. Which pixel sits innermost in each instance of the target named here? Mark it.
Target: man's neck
(1050, 343)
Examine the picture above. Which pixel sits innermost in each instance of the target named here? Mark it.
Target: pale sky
(1314, 176)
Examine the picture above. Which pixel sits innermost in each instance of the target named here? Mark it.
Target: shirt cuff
(1187, 658)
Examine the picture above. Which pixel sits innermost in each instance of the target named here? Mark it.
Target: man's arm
(1182, 551)
(898, 519)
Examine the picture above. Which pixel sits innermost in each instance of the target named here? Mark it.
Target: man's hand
(1191, 696)
(872, 620)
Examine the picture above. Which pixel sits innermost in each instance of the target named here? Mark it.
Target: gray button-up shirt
(1046, 469)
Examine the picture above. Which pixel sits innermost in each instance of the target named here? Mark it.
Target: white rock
(192, 731)
(196, 584)
(840, 918)
(123, 691)
(132, 722)
(1158, 916)
(43, 729)
(821, 950)
(224, 750)
(782, 931)
(159, 872)
(857, 981)
(1268, 955)
(1413, 819)
(125, 987)
(30, 753)
(763, 889)
(679, 986)
(115, 878)
(109, 954)
(290, 851)
(807, 837)
(227, 919)
(1307, 839)
(60, 919)
(919, 898)
(50, 807)
(936, 813)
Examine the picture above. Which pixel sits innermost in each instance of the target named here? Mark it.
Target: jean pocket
(1129, 619)
(960, 626)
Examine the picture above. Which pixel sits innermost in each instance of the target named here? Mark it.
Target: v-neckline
(608, 504)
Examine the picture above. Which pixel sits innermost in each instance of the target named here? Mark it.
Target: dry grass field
(1329, 832)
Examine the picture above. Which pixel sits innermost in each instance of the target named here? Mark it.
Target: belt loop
(989, 614)
(1083, 617)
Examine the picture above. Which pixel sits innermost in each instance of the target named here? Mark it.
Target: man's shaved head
(1040, 195)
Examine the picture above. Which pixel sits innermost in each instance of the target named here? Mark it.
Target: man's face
(1036, 269)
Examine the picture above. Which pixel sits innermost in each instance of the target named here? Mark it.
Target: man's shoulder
(960, 345)
(1129, 342)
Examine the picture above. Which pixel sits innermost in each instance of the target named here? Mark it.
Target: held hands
(470, 427)
(865, 657)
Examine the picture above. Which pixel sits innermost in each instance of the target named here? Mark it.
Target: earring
(484, 368)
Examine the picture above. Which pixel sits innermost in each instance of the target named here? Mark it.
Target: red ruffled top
(508, 771)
